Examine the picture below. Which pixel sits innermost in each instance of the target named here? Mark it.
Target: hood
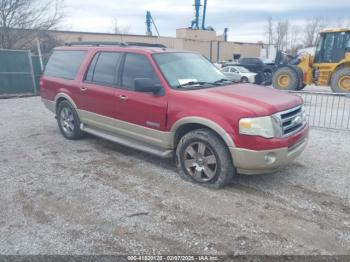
(258, 100)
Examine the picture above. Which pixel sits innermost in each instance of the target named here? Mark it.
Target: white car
(239, 74)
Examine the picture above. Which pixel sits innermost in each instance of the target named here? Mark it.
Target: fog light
(270, 158)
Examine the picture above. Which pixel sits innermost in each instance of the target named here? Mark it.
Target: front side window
(64, 64)
(182, 68)
(328, 47)
(137, 66)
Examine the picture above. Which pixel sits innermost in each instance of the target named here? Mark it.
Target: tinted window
(91, 70)
(137, 66)
(64, 64)
(106, 68)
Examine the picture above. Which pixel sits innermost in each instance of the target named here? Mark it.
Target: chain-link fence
(19, 72)
(327, 110)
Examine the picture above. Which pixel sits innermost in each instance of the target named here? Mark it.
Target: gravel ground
(95, 197)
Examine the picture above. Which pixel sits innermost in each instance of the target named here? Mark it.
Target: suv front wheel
(68, 121)
(202, 157)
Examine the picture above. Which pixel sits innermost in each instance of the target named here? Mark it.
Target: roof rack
(95, 43)
(145, 44)
(114, 44)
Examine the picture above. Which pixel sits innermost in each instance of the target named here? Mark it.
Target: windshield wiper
(201, 83)
(192, 83)
(222, 80)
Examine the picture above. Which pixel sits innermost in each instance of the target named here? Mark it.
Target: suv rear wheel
(68, 121)
(203, 158)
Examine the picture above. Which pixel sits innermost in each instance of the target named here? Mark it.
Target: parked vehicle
(239, 74)
(256, 65)
(329, 66)
(166, 102)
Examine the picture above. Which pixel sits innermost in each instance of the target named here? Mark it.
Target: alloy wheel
(67, 121)
(200, 162)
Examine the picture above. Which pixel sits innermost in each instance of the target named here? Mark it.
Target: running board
(168, 153)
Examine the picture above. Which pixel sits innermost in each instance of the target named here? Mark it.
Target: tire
(197, 167)
(286, 78)
(267, 77)
(68, 121)
(301, 87)
(244, 80)
(340, 82)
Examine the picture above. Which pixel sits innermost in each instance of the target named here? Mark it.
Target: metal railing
(327, 110)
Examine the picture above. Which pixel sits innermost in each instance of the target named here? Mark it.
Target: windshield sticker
(185, 81)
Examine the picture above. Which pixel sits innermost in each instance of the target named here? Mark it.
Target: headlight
(259, 126)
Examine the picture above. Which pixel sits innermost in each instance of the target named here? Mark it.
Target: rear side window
(64, 64)
(103, 68)
(137, 66)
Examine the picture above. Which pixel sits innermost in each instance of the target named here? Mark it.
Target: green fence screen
(19, 72)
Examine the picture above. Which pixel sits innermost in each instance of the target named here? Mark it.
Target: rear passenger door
(143, 109)
(98, 89)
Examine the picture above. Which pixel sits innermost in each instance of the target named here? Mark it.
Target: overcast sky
(245, 19)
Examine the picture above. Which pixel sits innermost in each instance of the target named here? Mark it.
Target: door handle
(123, 98)
(83, 89)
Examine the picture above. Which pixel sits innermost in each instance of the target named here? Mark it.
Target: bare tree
(312, 29)
(21, 20)
(48, 41)
(120, 30)
(269, 34)
(281, 35)
(269, 31)
(294, 39)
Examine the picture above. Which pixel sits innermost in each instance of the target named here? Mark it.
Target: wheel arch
(187, 124)
(63, 96)
(341, 66)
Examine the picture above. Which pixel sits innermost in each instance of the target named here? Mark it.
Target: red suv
(167, 102)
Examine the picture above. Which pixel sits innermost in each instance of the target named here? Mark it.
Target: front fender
(206, 122)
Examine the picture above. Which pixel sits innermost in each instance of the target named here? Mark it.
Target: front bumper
(250, 162)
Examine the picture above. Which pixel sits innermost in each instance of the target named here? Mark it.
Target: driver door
(140, 111)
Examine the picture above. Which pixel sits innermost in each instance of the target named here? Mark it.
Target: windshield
(188, 70)
(242, 69)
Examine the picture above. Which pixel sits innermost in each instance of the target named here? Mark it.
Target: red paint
(223, 105)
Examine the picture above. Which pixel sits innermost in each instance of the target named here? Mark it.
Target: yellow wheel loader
(330, 66)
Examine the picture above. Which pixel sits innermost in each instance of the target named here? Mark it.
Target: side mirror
(146, 85)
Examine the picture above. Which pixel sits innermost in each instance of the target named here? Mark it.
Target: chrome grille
(292, 120)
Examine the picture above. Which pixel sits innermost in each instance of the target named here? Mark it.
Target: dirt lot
(92, 197)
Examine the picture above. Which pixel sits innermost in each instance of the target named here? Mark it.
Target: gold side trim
(143, 134)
